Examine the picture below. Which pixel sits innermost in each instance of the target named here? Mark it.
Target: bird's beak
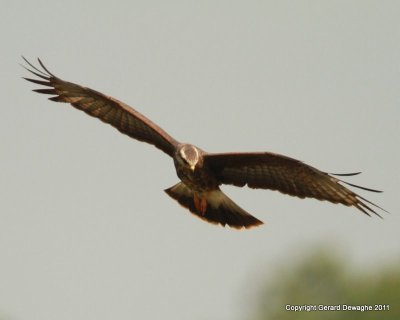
(192, 167)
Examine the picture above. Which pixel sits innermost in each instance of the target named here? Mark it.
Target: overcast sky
(86, 230)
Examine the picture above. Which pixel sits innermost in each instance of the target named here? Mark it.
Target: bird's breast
(199, 180)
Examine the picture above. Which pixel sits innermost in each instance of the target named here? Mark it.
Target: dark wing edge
(265, 170)
(107, 109)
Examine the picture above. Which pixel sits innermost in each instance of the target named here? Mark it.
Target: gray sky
(86, 231)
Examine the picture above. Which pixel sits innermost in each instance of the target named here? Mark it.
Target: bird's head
(189, 156)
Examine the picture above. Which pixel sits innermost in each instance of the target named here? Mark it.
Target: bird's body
(202, 173)
(195, 176)
(189, 165)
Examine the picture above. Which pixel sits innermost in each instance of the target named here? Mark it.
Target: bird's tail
(217, 209)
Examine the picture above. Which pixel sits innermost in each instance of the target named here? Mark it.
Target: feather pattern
(220, 208)
(202, 173)
(107, 109)
(290, 176)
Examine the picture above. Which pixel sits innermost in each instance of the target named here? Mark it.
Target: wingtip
(23, 57)
(365, 208)
(40, 73)
(44, 67)
(346, 174)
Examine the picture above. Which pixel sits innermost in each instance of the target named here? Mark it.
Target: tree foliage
(325, 279)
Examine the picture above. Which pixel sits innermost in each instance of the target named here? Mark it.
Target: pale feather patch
(191, 161)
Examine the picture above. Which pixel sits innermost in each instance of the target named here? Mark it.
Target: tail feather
(220, 209)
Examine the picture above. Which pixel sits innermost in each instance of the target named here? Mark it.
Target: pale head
(190, 155)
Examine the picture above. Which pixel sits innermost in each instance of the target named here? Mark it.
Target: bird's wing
(276, 172)
(107, 109)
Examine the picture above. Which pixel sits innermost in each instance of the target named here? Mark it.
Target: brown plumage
(265, 170)
(202, 173)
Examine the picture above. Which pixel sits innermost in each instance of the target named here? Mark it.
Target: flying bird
(201, 173)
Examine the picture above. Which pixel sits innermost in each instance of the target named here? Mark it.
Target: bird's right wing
(107, 109)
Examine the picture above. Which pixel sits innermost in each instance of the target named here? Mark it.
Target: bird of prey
(201, 173)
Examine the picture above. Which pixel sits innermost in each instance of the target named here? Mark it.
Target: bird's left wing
(107, 109)
(290, 176)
